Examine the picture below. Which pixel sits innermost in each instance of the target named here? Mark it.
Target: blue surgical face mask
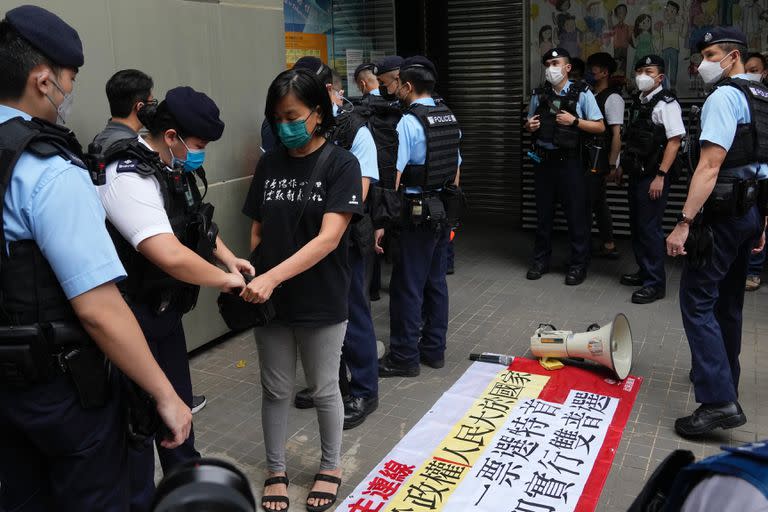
(294, 134)
(194, 160)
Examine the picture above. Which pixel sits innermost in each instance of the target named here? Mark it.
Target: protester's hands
(260, 289)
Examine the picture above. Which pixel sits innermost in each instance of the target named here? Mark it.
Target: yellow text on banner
(431, 485)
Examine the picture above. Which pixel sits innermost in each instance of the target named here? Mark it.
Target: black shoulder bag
(239, 314)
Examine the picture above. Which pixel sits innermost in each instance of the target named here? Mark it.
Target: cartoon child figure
(622, 37)
(643, 36)
(595, 26)
(672, 28)
(560, 15)
(570, 39)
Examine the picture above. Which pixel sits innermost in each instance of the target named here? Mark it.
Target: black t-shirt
(318, 296)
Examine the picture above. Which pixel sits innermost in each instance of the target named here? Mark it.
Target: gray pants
(320, 351)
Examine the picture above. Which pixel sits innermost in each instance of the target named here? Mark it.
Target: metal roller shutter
(485, 91)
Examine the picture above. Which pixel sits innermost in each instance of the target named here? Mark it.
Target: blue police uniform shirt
(725, 108)
(586, 108)
(54, 203)
(364, 149)
(375, 92)
(413, 142)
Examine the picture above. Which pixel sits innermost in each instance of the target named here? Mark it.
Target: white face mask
(645, 83)
(554, 74)
(755, 77)
(711, 72)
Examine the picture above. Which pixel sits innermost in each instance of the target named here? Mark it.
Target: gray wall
(229, 50)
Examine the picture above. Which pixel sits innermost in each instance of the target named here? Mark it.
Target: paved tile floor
(494, 308)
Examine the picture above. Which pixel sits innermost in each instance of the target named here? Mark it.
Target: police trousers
(165, 336)
(418, 296)
(645, 219)
(358, 353)
(711, 301)
(598, 207)
(561, 179)
(55, 455)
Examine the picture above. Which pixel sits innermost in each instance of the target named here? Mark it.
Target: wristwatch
(661, 173)
(682, 218)
(575, 122)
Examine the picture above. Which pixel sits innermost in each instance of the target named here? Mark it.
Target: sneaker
(198, 402)
(753, 283)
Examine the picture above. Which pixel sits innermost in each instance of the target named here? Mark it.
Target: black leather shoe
(356, 409)
(439, 363)
(303, 399)
(647, 294)
(536, 271)
(632, 279)
(575, 276)
(375, 296)
(709, 417)
(389, 369)
(450, 271)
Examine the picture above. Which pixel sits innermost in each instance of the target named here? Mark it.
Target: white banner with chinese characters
(503, 439)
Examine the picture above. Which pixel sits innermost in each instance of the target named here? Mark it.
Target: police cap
(197, 114)
(419, 61)
(387, 64)
(48, 34)
(555, 53)
(650, 60)
(312, 64)
(369, 66)
(721, 35)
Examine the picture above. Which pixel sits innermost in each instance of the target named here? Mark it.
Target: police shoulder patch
(758, 92)
(667, 97)
(128, 165)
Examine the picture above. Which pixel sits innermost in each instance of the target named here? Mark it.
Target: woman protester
(302, 199)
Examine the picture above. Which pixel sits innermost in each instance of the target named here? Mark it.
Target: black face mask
(385, 94)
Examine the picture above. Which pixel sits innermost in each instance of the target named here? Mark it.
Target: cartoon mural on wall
(630, 29)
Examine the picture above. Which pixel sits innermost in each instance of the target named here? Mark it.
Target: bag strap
(324, 155)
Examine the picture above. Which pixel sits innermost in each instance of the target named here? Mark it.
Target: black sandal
(324, 495)
(275, 499)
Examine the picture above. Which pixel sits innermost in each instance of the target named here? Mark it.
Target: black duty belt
(556, 155)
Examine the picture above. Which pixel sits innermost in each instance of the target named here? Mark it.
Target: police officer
(388, 75)
(558, 114)
(712, 285)
(428, 162)
(165, 237)
(387, 72)
(601, 67)
(654, 135)
(359, 353)
(366, 81)
(62, 430)
(128, 92)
